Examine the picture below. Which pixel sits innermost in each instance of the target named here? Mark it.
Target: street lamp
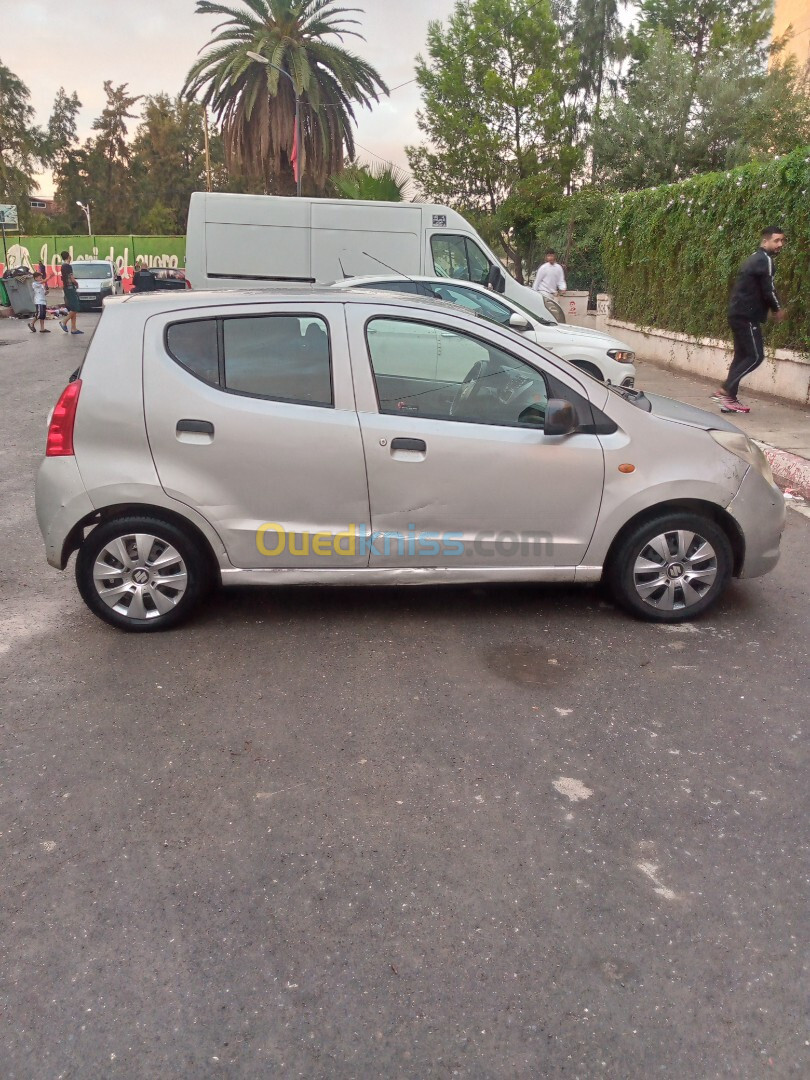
(86, 214)
(299, 149)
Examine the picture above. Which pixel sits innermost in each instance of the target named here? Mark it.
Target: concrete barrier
(785, 374)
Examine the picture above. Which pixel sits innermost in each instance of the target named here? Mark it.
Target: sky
(150, 44)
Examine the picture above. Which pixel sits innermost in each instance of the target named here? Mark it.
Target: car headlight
(623, 356)
(742, 447)
(106, 286)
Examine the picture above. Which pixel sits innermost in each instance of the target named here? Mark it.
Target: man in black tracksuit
(752, 297)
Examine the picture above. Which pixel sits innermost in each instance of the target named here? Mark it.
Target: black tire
(589, 369)
(175, 586)
(702, 579)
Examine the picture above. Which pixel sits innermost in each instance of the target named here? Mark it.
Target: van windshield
(82, 271)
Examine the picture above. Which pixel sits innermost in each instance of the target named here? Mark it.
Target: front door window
(430, 371)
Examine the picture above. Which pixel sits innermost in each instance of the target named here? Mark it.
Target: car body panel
(240, 479)
(439, 492)
(762, 530)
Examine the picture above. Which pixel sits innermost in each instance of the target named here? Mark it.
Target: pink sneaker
(731, 404)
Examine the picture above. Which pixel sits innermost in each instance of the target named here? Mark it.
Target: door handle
(196, 427)
(409, 444)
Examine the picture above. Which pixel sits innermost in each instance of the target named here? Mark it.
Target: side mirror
(518, 321)
(560, 418)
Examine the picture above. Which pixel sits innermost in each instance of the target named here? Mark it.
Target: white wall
(785, 374)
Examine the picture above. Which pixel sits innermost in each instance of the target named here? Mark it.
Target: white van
(97, 280)
(235, 241)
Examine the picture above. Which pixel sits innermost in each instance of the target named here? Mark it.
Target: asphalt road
(501, 832)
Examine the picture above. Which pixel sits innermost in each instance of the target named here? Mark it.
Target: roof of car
(192, 298)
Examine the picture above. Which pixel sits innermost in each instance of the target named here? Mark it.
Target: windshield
(95, 270)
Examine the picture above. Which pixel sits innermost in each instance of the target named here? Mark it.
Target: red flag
(294, 155)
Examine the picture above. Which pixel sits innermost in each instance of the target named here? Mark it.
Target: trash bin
(19, 286)
(3, 295)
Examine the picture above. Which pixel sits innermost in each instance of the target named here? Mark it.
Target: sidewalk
(782, 430)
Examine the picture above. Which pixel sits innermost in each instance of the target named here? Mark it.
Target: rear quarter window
(194, 345)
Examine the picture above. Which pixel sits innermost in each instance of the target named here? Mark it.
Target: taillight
(60, 431)
(188, 284)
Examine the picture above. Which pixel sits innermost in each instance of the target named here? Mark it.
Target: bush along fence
(122, 251)
(671, 253)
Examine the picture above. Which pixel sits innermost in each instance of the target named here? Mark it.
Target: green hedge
(671, 253)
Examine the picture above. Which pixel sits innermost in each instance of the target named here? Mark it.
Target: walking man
(71, 289)
(752, 297)
(550, 276)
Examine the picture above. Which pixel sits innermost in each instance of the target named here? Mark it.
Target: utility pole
(207, 149)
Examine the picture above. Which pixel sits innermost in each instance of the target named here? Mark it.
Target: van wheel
(140, 573)
(589, 369)
(671, 568)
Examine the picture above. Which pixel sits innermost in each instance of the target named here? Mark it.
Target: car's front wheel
(671, 568)
(141, 573)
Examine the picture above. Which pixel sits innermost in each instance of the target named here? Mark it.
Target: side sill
(410, 575)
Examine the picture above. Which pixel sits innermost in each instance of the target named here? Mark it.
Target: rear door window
(283, 357)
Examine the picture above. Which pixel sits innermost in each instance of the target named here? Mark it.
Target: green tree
(381, 182)
(255, 103)
(168, 161)
(99, 171)
(62, 132)
(596, 34)
(494, 114)
(22, 145)
(674, 123)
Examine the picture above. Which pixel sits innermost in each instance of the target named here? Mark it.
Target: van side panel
(350, 239)
(253, 237)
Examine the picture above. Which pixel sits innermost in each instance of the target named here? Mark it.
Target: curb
(790, 471)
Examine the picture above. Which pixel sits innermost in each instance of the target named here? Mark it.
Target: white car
(603, 357)
(97, 280)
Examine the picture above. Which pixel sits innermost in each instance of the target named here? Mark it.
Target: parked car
(604, 357)
(159, 279)
(326, 437)
(97, 280)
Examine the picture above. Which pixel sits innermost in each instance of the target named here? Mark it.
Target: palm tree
(255, 104)
(379, 182)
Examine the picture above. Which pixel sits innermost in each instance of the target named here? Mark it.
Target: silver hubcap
(140, 576)
(674, 570)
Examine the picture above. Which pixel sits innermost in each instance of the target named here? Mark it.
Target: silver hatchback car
(322, 437)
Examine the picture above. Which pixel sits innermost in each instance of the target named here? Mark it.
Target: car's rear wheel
(671, 568)
(589, 369)
(141, 573)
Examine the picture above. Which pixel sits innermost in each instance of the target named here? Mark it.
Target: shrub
(671, 252)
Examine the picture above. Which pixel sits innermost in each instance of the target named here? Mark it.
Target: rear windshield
(95, 270)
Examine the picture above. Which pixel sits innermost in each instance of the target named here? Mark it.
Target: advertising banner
(121, 251)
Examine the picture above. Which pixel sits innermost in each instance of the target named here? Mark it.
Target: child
(40, 291)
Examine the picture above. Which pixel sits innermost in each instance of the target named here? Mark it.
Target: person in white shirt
(40, 294)
(550, 276)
